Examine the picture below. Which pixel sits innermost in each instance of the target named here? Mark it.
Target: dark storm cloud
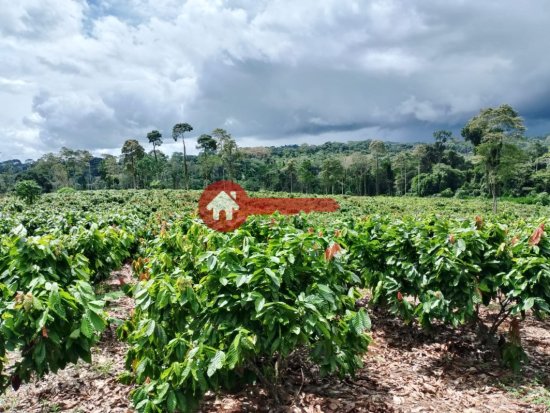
(91, 74)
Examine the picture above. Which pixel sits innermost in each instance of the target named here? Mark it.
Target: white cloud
(91, 74)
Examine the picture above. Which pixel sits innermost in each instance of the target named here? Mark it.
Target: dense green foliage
(27, 190)
(214, 309)
(219, 310)
(449, 268)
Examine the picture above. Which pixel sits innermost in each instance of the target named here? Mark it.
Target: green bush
(28, 190)
(66, 190)
(447, 193)
(461, 194)
(542, 198)
(216, 310)
(48, 310)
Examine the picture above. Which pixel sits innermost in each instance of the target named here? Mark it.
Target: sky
(91, 74)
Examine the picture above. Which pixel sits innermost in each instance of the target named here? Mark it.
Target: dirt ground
(406, 370)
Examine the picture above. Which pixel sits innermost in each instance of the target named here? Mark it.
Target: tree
(109, 171)
(361, 165)
(208, 159)
(402, 162)
(306, 175)
(441, 178)
(228, 151)
(332, 172)
(151, 172)
(492, 132)
(77, 165)
(27, 190)
(441, 137)
(207, 144)
(290, 171)
(132, 152)
(155, 138)
(177, 132)
(378, 149)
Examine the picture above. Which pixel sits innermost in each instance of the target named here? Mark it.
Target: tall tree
(332, 172)
(208, 159)
(178, 132)
(492, 132)
(155, 138)
(402, 162)
(109, 171)
(228, 151)
(378, 149)
(361, 164)
(441, 137)
(290, 171)
(420, 153)
(132, 152)
(306, 175)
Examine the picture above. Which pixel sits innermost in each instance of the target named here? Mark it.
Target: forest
(505, 162)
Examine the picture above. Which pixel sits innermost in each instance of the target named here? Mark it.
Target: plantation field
(124, 300)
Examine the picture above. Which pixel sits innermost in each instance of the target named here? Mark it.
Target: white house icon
(223, 202)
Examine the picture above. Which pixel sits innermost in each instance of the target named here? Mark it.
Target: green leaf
(360, 322)
(171, 401)
(39, 354)
(233, 354)
(86, 327)
(162, 389)
(216, 363)
(276, 280)
(97, 321)
(528, 303)
(149, 328)
(259, 304)
(243, 279)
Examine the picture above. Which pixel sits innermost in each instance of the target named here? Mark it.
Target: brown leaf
(479, 222)
(537, 235)
(332, 251)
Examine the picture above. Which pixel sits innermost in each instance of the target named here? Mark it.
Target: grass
(533, 391)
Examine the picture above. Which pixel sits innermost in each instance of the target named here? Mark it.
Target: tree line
(492, 157)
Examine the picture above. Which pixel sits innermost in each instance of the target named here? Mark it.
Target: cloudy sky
(90, 74)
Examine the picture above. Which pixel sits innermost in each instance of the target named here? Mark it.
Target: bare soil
(406, 370)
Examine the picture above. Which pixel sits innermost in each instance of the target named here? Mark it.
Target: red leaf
(44, 332)
(332, 251)
(479, 222)
(537, 235)
(399, 296)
